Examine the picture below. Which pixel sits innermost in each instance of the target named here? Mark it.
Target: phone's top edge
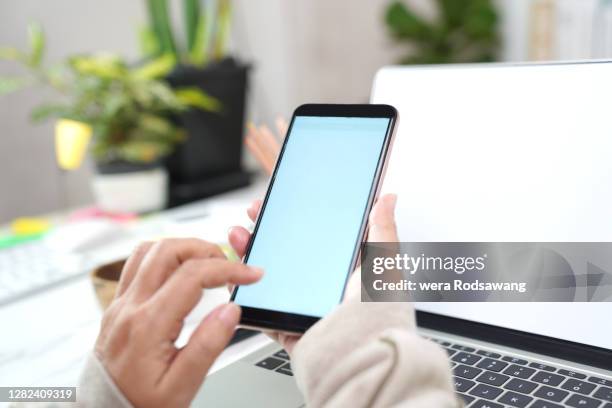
(346, 110)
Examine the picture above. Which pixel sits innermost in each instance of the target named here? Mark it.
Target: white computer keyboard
(28, 268)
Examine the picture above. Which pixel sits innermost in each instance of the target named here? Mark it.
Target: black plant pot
(209, 161)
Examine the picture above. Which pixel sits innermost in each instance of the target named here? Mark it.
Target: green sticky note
(10, 240)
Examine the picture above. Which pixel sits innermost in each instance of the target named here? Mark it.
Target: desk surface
(46, 338)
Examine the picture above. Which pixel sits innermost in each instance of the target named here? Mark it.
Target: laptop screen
(502, 153)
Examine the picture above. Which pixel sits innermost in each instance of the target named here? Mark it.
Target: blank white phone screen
(310, 225)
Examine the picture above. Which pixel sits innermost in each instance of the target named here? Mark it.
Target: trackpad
(243, 384)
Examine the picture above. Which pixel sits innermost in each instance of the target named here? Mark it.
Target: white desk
(44, 339)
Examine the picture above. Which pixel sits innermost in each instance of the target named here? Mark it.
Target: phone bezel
(296, 323)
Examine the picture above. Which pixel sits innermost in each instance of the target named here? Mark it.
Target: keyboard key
(580, 401)
(466, 398)
(544, 367)
(514, 360)
(282, 354)
(552, 394)
(492, 378)
(515, 400)
(450, 352)
(604, 393)
(466, 358)
(572, 374)
(489, 354)
(463, 348)
(526, 387)
(485, 404)
(601, 381)
(544, 404)
(607, 406)
(270, 363)
(492, 365)
(518, 371)
(578, 386)
(547, 378)
(462, 385)
(286, 369)
(485, 391)
(441, 342)
(466, 371)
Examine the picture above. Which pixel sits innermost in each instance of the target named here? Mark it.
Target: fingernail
(257, 271)
(229, 314)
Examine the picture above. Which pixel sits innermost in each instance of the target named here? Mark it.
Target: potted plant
(210, 159)
(126, 111)
(463, 31)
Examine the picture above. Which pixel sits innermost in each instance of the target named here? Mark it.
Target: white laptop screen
(500, 153)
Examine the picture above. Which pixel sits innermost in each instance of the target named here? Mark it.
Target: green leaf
(197, 53)
(107, 66)
(192, 15)
(37, 44)
(224, 16)
(156, 124)
(164, 96)
(149, 44)
(45, 111)
(196, 98)
(114, 104)
(453, 12)
(482, 20)
(157, 68)
(12, 84)
(461, 31)
(144, 151)
(403, 23)
(160, 24)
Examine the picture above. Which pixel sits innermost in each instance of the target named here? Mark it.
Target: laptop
(490, 153)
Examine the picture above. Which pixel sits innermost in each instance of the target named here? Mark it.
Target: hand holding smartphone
(314, 216)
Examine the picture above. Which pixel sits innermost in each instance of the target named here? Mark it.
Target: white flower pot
(134, 191)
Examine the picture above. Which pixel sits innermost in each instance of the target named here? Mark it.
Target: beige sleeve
(97, 389)
(369, 355)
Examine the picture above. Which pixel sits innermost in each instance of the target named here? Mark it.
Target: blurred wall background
(301, 51)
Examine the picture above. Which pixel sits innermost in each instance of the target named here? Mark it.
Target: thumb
(382, 220)
(189, 368)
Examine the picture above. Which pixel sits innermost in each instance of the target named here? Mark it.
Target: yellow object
(29, 226)
(71, 140)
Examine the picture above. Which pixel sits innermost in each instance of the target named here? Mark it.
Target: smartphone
(314, 216)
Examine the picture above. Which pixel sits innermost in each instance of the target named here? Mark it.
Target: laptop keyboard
(485, 379)
(278, 362)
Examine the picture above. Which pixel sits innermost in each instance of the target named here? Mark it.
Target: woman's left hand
(382, 229)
